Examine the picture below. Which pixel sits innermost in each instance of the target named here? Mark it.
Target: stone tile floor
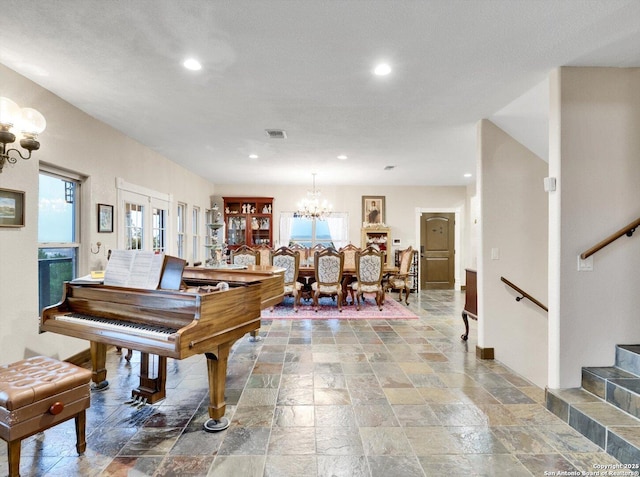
(328, 398)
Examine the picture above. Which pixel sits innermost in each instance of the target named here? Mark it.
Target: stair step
(614, 430)
(595, 380)
(628, 358)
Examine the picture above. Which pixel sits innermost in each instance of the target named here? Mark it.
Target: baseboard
(484, 353)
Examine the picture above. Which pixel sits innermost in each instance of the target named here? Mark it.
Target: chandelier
(26, 121)
(311, 207)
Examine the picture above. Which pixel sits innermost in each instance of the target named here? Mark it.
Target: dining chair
(302, 250)
(348, 271)
(401, 280)
(244, 255)
(328, 264)
(369, 269)
(265, 252)
(289, 260)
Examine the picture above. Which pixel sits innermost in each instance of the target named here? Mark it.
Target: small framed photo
(11, 208)
(105, 218)
(373, 210)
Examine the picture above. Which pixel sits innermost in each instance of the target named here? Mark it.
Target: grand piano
(201, 317)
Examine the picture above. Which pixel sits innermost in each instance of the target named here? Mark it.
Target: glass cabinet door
(260, 230)
(236, 230)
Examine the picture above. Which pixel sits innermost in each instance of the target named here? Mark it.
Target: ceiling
(305, 66)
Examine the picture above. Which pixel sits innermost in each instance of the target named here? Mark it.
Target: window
(333, 231)
(134, 226)
(58, 233)
(182, 210)
(159, 230)
(195, 230)
(143, 218)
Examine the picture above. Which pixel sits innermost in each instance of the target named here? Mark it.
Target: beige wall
(77, 142)
(514, 211)
(595, 155)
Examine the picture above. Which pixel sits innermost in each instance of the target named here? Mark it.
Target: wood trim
(484, 353)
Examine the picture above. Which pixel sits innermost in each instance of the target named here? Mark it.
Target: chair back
(289, 260)
(265, 253)
(406, 259)
(244, 255)
(302, 250)
(328, 267)
(369, 266)
(350, 256)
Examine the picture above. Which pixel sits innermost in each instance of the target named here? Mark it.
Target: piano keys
(202, 321)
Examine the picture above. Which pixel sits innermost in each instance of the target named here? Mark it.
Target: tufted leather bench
(36, 394)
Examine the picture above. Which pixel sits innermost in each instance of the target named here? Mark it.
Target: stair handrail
(524, 295)
(626, 230)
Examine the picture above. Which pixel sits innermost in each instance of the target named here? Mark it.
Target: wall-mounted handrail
(627, 230)
(524, 294)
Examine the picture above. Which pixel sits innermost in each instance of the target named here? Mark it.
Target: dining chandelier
(311, 207)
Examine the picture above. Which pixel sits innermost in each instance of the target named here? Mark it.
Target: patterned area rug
(392, 310)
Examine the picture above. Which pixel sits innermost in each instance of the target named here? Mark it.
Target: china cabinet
(248, 221)
(379, 237)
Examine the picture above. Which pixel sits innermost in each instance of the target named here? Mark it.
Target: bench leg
(14, 458)
(81, 421)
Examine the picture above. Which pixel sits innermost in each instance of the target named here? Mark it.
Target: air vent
(276, 133)
(388, 168)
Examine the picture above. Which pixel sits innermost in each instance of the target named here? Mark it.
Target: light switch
(495, 253)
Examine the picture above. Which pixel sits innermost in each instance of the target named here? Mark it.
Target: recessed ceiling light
(192, 64)
(382, 69)
(468, 174)
(253, 156)
(342, 157)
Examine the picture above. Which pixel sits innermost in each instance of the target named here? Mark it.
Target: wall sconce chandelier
(26, 121)
(310, 207)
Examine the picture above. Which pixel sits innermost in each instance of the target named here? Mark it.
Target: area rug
(392, 310)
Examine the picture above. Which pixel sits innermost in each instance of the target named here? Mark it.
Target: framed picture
(11, 208)
(105, 218)
(373, 210)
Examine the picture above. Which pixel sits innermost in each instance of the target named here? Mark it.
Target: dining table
(307, 273)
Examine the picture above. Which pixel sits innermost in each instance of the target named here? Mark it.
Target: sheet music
(134, 269)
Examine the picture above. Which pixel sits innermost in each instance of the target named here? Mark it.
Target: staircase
(607, 407)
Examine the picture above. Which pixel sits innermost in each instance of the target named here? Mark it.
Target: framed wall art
(11, 208)
(373, 210)
(105, 218)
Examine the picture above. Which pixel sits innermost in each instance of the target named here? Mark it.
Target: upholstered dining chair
(302, 250)
(244, 255)
(265, 253)
(350, 266)
(328, 265)
(289, 260)
(401, 280)
(369, 268)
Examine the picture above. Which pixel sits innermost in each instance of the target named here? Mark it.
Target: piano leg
(152, 389)
(217, 370)
(99, 365)
(255, 336)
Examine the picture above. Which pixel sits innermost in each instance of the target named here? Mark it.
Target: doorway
(437, 251)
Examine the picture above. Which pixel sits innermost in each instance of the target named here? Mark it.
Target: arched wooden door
(437, 254)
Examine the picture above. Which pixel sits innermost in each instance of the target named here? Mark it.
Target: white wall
(595, 155)
(80, 143)
(514, 212)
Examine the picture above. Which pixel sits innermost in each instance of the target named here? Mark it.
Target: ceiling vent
(276, 133)
(388, 168)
